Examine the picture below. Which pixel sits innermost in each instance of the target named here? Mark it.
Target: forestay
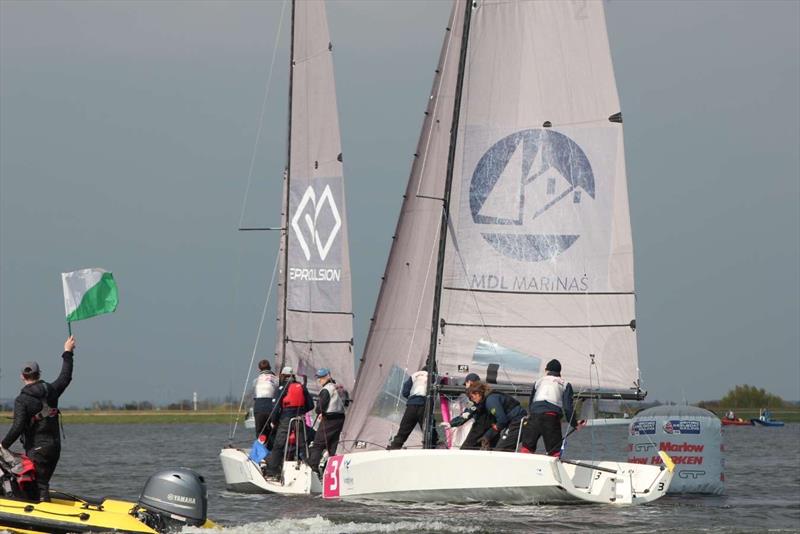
(538, 261)
(315, 319)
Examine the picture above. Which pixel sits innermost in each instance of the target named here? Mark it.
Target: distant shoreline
(134, 417)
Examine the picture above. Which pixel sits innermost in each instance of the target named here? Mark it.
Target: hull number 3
(330, 482)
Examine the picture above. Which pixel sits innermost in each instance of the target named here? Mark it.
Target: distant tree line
(184, 404)
(744, 397)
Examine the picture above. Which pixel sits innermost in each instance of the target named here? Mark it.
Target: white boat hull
(244, 476)
(475, 476)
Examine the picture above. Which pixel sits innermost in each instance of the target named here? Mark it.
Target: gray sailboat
(315, 319)
(513, 247)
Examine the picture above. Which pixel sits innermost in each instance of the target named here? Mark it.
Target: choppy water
(762, 488)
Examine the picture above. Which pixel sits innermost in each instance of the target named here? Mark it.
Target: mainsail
(537, 260)
(315, 319)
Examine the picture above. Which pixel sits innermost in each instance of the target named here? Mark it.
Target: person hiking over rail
(36, 419)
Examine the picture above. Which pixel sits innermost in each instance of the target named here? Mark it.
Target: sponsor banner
(535, 208)
(639, 428)
(677, 426)
(316, 239)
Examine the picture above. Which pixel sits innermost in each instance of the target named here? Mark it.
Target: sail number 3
(330, 482)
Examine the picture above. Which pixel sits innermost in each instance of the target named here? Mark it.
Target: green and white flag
(89, 292)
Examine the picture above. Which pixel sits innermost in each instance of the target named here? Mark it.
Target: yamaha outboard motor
(172, 499)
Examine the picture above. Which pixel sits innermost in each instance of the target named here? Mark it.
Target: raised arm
(65, 376)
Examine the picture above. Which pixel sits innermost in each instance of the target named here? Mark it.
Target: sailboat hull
(475, 476)
(244, 476)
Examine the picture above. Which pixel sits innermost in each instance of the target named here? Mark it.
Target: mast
(286, 200)
(431, 362)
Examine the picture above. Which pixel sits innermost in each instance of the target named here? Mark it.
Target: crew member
(505, 415)
(294, 402)
(265, 389)
(550, 400)
(330, 411)
(480, 419)
(36, 419)
(415, 389)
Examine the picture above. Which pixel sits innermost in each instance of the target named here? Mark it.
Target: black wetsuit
(38, 427)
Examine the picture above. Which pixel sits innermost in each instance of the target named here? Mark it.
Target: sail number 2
(330, 482)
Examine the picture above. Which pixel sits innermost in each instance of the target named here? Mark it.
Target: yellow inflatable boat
(170, 500)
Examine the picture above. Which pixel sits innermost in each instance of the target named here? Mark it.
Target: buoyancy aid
(335, 404)
(550, 389)
(294, 397)
(419, 384)
(44, 423)
(265, 385)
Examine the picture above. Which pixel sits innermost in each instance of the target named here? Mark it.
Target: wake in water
(320, 525)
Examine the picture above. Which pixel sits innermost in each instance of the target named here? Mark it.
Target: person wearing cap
(550, 400)
(265, 389)
(505, 416)
(294, 402)
(415, 389)
(330, 411)
(36, 419)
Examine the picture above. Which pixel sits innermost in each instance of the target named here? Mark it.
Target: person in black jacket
(36, 419)
(480, 419)
(505, 415)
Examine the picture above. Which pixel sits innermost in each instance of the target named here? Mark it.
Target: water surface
(762, 487)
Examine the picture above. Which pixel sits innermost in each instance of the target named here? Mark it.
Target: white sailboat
(315, 319)
(513, 247)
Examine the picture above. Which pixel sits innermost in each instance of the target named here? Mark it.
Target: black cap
(472, 377)
(553, 366)
(30, 368)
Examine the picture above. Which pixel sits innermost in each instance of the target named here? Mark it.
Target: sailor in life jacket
(265, 389)
(330, 409)
(36, 419)
(293, 403)
(415, 389)
(550, 400)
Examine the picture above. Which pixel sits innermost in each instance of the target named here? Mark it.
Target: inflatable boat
(170, 500)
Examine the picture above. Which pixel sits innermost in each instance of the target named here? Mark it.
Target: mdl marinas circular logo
(519, 182)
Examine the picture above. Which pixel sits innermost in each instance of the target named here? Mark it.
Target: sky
(128, 134)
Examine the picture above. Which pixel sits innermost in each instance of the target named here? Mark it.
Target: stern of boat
(244, 476)
(615, 482)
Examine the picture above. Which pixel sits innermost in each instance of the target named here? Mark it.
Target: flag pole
(69, 328)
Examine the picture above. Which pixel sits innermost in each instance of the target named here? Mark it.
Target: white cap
(287, 371)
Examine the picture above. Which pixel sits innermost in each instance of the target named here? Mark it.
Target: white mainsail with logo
(513, 248)
(315, 315)
(315, 319)
(538, 257)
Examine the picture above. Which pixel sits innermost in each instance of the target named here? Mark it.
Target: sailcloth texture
(89, 292)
